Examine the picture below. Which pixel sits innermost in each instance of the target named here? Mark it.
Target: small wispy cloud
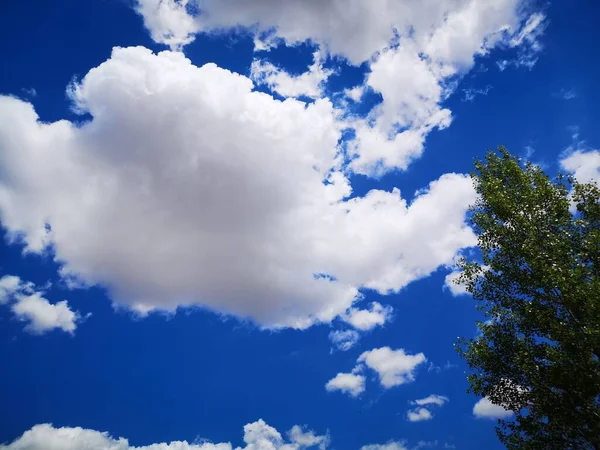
(344, 340)
(470, 94)
(566, 94)
(29, 92)
(437, 369)
(529, 151)
(528, 43)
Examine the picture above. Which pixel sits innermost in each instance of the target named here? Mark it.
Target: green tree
(538, 285)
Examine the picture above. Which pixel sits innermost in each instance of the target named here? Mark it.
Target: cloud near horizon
(257, 436)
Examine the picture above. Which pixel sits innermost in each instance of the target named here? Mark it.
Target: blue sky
(234, 224)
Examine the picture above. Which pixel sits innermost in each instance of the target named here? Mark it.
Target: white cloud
(484, 408)
(394, 367)
(410, 89)
(433, 399)
(367, 319)
(344, 340)
(473, 28)
(29, 305)
(257, 436)
(348, 383)
(449, 30)
(169, 21)
(355, 29)
(413, 48)
(412, 79)
(261, 436)
(307, 438)
(355, 93)
(388, 446)
(584, 165)
(189, 188)
(528, 43)
(530, 31)
(457, 289)
(306, 84)
(43, 316)
(9, 285)
(454, 288)
(411, 95)
(266, 41)
(419, 414)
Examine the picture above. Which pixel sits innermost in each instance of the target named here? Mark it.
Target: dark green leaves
(539, 286)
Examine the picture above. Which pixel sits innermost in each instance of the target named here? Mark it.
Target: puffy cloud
(355, 93)
(344, 339)
(413, 49)
(411, 95)
(43, 316)
(484, 408)
(366, 319)
(189, 188)
(354, 29)
(419, 414)
(433, 399)
(454, 288)
(449, 30)
(307, 438)
(170, 22)
(410, 88)
(478, 26)
(584, 165)
(257, 436)
(261, 436)
(307, 84)
(29, 305)
(412, 78)
(348, 383)
(394, 367)
(9, 285)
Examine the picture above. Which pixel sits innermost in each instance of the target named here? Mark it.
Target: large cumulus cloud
(189, 188)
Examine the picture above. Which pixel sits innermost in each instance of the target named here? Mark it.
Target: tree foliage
(538, 283)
